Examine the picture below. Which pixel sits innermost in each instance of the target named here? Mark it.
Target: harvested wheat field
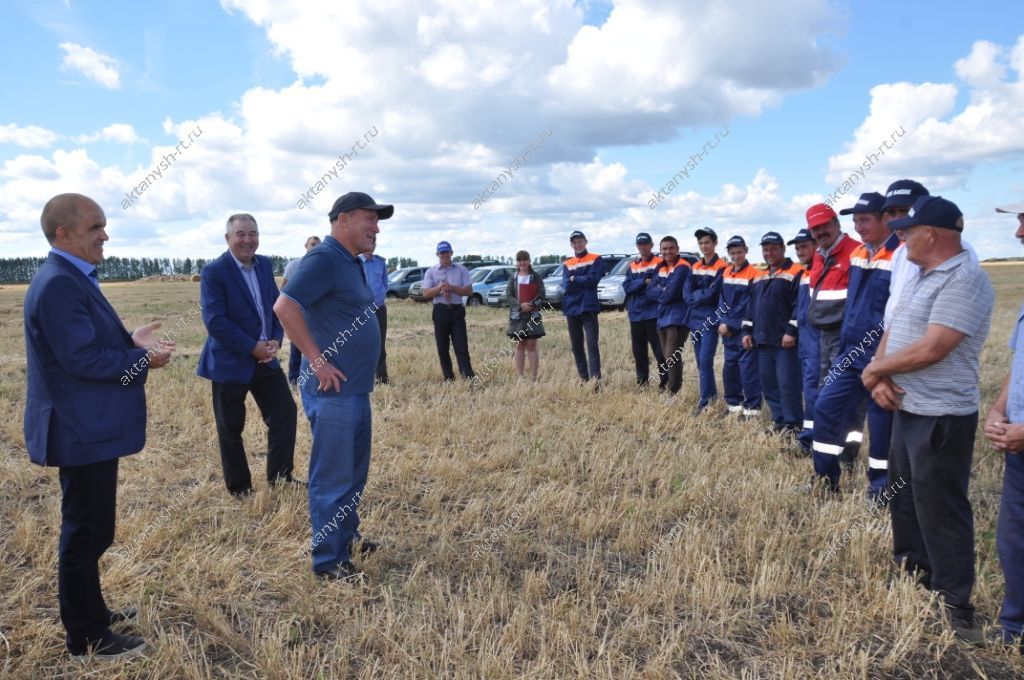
(544, 531)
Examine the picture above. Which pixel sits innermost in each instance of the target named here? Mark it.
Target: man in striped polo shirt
(926, 370)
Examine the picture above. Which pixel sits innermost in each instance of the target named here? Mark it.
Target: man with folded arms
(84, 410)
(926, 370)
(643, 310)
(1004, 428)
(330, 300)
(741, 380)
(769, 325)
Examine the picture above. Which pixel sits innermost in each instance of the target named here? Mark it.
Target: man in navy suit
(237, 294)
(85, 408)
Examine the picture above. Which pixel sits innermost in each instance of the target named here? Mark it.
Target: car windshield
(395, 275)
(557, 272)
(621, 267)
(478, 275)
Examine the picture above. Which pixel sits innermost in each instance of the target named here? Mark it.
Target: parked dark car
(400, 280)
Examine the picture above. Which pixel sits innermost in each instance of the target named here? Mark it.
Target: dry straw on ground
(562, 494)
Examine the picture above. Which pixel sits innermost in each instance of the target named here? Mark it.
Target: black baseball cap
(772, 237)
(354, 200)
(870, 202)
(801, 236)
(577, 234)
(903, 193)
(705, 231)
(735, 241)
(644, 237)
(931, 211)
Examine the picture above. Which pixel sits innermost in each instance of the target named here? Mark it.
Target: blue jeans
(338, 464)
(705, 343)
(1010, 544)
(780, 382)
(741, 381)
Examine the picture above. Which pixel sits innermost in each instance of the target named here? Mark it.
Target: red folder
(527, 292)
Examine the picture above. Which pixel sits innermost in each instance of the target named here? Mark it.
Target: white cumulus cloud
(93, 65)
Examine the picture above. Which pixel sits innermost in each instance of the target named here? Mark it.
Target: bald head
(63, 210)
(76, 225)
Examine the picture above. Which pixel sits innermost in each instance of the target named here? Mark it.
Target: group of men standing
(897, 322)
(889, 328)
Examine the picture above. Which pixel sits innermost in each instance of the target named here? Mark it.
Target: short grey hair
(240, 217)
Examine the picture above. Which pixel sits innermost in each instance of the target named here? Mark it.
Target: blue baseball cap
(802, 236)
(444, 247)
(577, 234)
(871, 202)
(931, 211)
(706, 231)
(772, 238)
(735, 241)
(644, 237)
(902, 193)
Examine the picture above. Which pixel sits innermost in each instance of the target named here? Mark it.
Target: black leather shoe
(365, 547)
(346, 571)
(242, 493)
(126, 615)
(111, 646)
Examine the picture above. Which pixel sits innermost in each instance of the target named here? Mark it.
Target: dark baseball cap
(706, 231)
(801, 236)
(931, 211)
(903, 193)
(577, 234)
(735, 241)
(871, 202)
(354, 200)
(644, 237)
(772, 237)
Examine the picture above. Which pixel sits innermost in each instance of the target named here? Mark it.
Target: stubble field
(529, 530)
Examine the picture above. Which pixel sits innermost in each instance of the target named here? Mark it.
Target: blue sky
(98, 93)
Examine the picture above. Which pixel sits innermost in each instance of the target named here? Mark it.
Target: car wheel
(391, 295)
(475, 301)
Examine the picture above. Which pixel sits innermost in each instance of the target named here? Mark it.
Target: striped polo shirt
(956, 294)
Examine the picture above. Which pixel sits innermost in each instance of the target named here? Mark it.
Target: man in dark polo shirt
(926, 370)
(327, 310)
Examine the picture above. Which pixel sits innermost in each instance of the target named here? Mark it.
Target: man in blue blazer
(237, 294)
(85, 408)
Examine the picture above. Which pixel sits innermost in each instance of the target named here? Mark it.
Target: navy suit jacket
(86, 399)
(232, 319)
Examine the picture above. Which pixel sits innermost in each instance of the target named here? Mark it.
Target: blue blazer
(231, 319)
(86, 399)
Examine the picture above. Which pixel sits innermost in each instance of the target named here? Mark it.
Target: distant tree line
(401, 262)
(113, 268)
